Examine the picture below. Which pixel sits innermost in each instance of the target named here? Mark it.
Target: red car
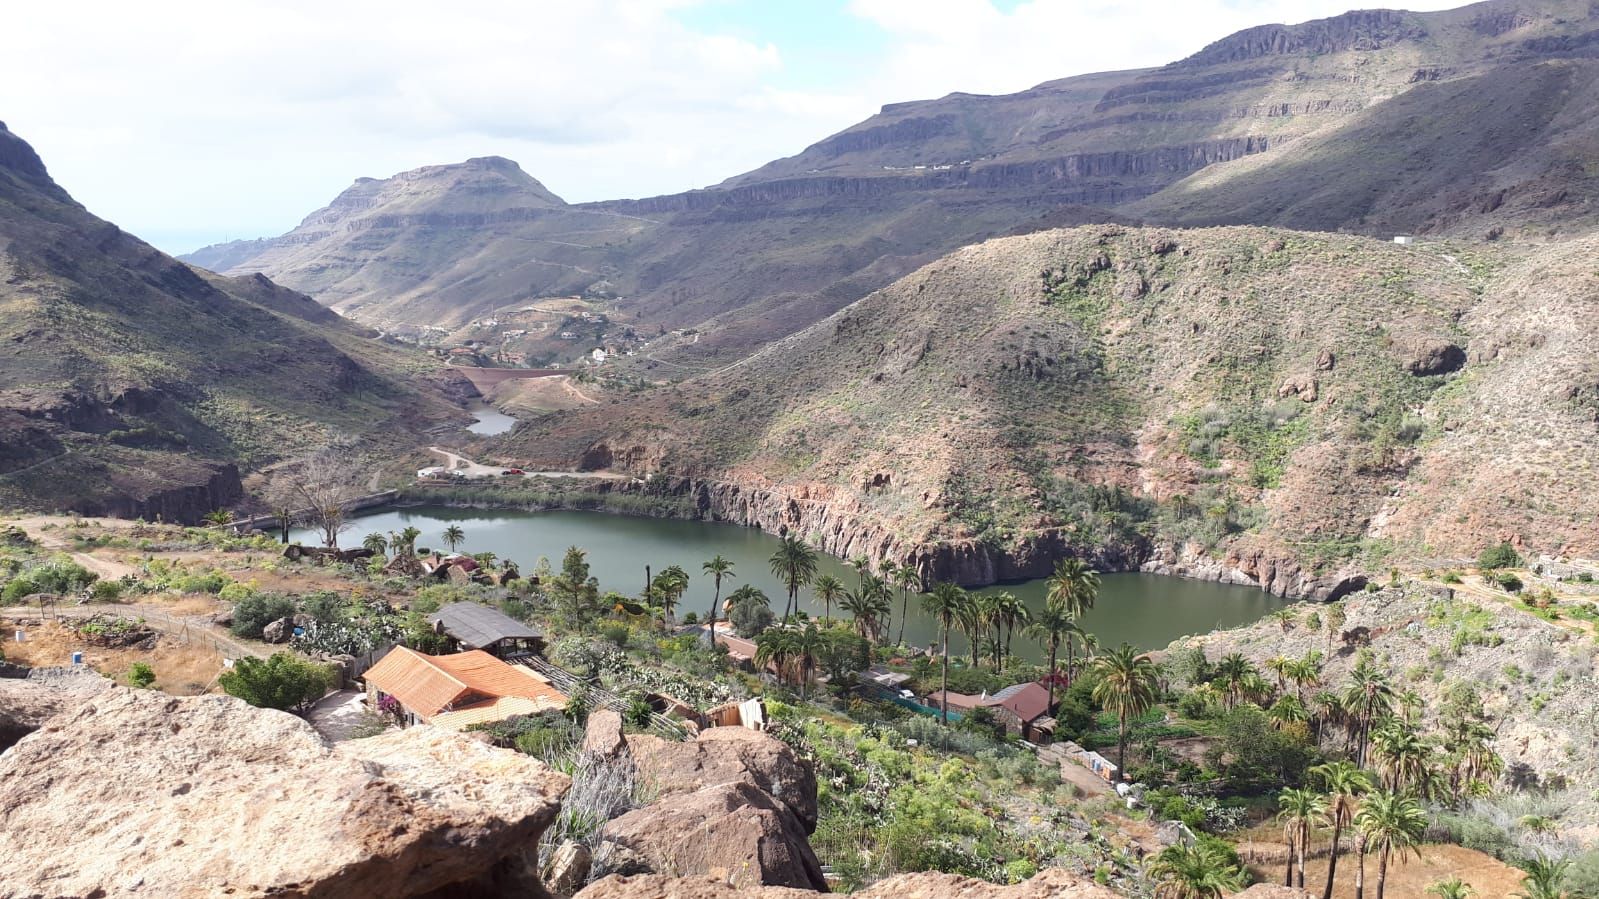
(513, 471)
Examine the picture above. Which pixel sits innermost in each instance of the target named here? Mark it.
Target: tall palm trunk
(1304, 837)
(1288, 865)
(944, 686)
(1382, 871)
(1121, 740)
(1360, 871)
(1332, 859)
(904, 612)
(1052, 645)
(716, 601)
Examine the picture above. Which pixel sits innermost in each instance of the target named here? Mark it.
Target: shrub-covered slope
(1286, 402)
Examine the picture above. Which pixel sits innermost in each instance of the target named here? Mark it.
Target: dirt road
(474, 470)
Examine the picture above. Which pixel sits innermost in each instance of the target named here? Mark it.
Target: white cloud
(188, 121)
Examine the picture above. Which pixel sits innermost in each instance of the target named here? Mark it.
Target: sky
(189, 123)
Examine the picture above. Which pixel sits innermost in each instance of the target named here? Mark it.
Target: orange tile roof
(431, 685)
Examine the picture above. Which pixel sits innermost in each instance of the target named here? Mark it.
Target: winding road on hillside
(474, 470)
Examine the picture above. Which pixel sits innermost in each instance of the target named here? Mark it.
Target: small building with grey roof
(470, 625)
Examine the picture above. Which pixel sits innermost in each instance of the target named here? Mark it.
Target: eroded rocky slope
(1286, 406)
(132, 384)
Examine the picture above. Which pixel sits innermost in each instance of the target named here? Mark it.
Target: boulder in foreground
(135, 793)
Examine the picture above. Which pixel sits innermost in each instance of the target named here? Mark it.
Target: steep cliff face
(1241, 404)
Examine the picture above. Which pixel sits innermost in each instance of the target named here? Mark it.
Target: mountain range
(1458, 123)
(1154, 316)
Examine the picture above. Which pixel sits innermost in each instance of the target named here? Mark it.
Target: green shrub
(106, 591)
(1508, 581)
(284, 681)
(1496, 557)
(258, 610)
(141, 675)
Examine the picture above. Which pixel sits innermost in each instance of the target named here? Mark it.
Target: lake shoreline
(1202, 569)
(1145, 609)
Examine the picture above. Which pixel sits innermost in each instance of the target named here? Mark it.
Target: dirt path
(473, 470)
(571, 387)
(189, 627)
(56, 539)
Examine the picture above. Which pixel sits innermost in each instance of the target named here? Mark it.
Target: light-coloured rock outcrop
(1052, 884)
(28, 702)
(735, 832)
(724, 755)
(135, 793)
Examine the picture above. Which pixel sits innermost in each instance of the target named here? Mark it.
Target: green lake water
(1148, 611)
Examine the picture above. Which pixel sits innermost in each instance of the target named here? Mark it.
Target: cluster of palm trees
(1385, 821)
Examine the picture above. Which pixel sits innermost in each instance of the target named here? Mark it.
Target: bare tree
(320, 489)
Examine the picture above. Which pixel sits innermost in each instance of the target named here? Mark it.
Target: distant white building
(1404, 240)
(598, 356)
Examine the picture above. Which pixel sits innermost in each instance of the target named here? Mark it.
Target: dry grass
(1410, 878)
(183, 669)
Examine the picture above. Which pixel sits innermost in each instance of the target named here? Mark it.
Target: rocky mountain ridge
(133, 384)
(768, 252)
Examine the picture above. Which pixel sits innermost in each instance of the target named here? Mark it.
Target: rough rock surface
(212, 796)
(603, 736)
(734, 831)
(724, 755)
(26, 703)
(1051, 884)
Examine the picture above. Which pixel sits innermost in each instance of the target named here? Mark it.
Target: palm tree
(1401, 754)
(806, 645)
(1344, 784)
(1369, 696)
(970, 616)
(1335, 622)
(868, 609)
(1391, 822)
(1301, 810)
(862, 565)
(1453, 888)
(1048, 627)
(1544, 878)
(376, 542)
(829, 590)
(774, 648)
(1127, 682)
(943, 604)
(1199, 871)
(907, 580)
(454, 536)
(1287, 710)
(1285, 618)
(1304, 673)
(1279, 665)
(1009, 611)
(1233, 671)
(794, 564)
(717, 568)
(1073, 588)
(408, 535)
(672, 583)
